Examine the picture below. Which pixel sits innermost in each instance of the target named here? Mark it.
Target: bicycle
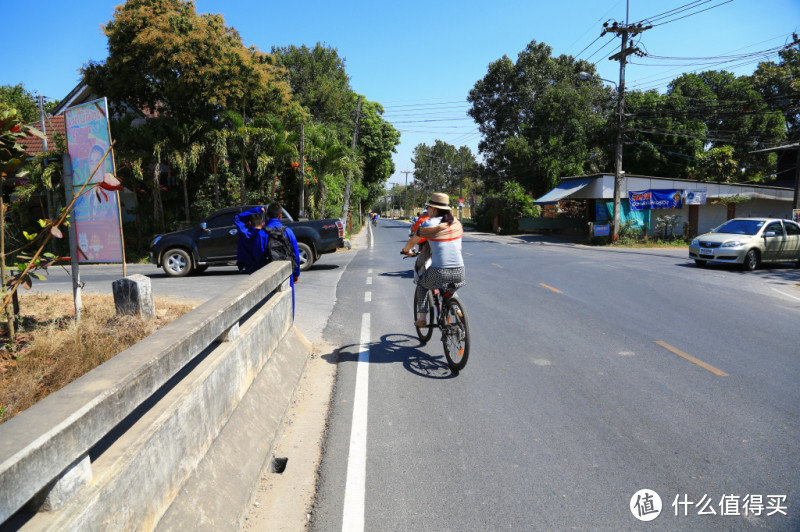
(446, 312)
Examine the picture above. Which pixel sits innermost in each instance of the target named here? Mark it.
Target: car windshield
(740, 227)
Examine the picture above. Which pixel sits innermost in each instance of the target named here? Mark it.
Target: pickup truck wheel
(176, 262)
(306, 256)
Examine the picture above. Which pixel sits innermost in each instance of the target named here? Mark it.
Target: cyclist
(443, 233)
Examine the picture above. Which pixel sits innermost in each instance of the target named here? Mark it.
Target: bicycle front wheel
(455, 334)
(426, 332)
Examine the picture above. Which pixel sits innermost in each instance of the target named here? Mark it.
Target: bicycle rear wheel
(455, 334)
(425, 333)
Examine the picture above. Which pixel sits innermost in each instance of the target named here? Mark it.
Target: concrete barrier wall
(149, 434)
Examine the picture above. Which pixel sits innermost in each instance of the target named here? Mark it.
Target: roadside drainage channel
(279, 464)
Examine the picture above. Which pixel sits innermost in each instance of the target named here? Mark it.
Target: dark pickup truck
(212, 242)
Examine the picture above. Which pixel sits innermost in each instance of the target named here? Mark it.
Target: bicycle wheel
(425, 333)
(455, 334)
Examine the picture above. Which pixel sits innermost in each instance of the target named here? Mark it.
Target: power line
(695, 13)
(675, 11)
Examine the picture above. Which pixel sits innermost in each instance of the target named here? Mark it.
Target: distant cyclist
(443, 233)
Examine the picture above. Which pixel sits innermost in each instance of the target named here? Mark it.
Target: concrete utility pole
(405, 194)
(346, 206)
(44, 161)
(625, 30)
(797, 180)
(301, 213)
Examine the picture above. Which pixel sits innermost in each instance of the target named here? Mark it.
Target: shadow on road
(401, 274)
(320, 267)
(208, 273)
(397, 348)
(778, 272)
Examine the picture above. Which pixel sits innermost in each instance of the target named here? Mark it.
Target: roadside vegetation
(53, 349)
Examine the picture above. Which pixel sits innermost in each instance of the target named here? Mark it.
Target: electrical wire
(673, 11)
(695, 13)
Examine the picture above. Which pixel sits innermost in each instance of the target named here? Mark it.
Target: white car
(749, 242)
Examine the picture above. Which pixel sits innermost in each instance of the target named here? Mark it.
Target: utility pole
(302, 212)
(625, 30)
(405, 194)
(349, 184)
(461, 192)
(44, 160)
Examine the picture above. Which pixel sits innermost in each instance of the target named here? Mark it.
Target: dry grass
(53, 350)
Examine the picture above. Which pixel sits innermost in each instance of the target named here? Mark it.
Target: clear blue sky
(419, 59)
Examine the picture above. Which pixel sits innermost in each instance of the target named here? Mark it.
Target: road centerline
(556, 290)
(691, 359)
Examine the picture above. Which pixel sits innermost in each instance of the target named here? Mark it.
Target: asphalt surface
(567, 406)
(594, 374)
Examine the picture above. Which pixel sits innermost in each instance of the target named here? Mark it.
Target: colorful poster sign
(796, 215)
(95, 215)
(655, 199)
(602, 230)
(696, 197)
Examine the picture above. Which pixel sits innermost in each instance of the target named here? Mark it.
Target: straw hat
(439, 201)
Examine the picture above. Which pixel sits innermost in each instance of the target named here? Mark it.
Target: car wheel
(176, 262)
(751, 260)
(306, 256)
(700, 263)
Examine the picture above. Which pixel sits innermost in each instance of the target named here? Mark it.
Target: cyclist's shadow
(394, 348)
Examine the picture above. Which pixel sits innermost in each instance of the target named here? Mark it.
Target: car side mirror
(205, 227)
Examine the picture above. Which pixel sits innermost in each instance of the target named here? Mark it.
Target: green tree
(734, 114)
(716, 164)
(779, 85)
(319, 83)
(17, 97)
(441, 167)
(377, 141)
(328, 161)
(167, 59)
(539, 121)
(663, 137)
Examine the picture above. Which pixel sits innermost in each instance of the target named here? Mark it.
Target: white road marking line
(355, 486)
(369, 270)
(785, 294)
(367, 297)
(369, 280)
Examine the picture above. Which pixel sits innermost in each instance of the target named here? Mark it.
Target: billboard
(696, 197)
(96, 214)
(655, 199)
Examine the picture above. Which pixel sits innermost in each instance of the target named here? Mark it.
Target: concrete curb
(221, 489)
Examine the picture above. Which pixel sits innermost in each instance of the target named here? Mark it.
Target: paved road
(568, 406)
(315, 292)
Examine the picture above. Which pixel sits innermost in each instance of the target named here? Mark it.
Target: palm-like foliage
(329, 160)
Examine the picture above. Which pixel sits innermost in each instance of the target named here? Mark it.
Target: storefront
(703, 204)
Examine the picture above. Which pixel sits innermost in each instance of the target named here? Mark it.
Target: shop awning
(564, 189)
